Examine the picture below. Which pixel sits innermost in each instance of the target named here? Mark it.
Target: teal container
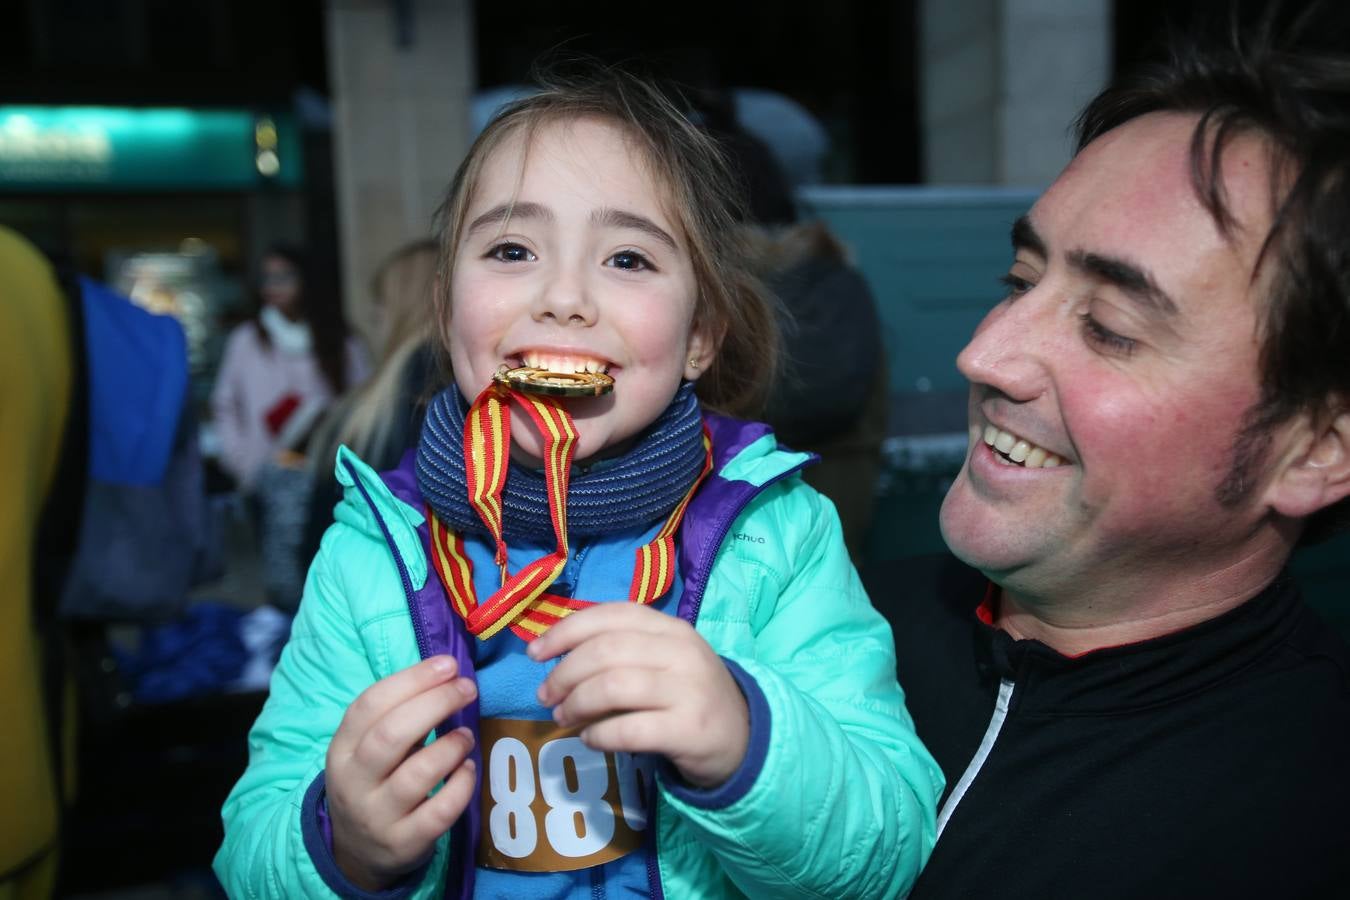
(933, 257)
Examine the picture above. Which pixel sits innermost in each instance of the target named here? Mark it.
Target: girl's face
(280, 286)
(569, 261)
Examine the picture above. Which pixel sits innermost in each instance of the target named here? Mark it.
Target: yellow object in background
(35, 389)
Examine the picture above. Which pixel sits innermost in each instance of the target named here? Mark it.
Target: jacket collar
(377, 508)
(746, 458)
(1130, 676)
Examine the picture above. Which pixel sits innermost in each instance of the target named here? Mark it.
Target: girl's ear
(704, 342)
(1317, 473)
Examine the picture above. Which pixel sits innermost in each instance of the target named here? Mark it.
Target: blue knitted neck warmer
(634, 489)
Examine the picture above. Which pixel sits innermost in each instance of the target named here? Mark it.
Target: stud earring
(693, 363)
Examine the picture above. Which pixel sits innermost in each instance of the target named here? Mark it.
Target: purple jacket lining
(436, 634)
(317, 832)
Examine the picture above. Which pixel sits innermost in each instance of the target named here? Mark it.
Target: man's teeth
(1019, 451)
(552, 363)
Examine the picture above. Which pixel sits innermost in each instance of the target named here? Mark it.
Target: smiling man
(1120, 682)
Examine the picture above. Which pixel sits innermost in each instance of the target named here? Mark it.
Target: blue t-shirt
(600, 569)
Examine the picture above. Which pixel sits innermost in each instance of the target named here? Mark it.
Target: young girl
(729, 723)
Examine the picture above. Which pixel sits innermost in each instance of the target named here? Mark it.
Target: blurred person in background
(832, 397)
(279, 374)
(281, 369)
(37, 383)
(383, 418)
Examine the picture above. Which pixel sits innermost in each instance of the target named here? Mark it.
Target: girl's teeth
(1019, 451)
(575, 364)
(1004, 442)
(1036, 458)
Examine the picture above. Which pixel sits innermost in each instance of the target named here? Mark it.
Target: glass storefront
(167, 205)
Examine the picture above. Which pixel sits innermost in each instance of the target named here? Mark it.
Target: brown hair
(706, 202)
(368, 420)
(403, 285)
(1286, 79)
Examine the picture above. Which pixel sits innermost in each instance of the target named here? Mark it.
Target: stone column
(401, 75)
(1001, 81)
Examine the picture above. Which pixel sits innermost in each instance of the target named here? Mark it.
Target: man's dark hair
(1285, 78)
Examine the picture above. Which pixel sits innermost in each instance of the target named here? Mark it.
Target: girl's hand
(645, 682)
(378, 774)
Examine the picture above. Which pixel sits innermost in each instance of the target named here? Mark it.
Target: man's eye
(1097, 333)
(630, 260)
(511, 253)
(1014, 285)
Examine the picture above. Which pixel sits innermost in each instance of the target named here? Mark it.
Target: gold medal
(555, 384)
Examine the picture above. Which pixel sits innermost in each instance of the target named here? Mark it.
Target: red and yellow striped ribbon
(523, 603)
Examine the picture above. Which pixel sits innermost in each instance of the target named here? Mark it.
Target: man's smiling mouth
(1012, 450)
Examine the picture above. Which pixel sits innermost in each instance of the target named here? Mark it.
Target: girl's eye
(511, 253)
(630, 260)
(1014, 285)
(1103, 337)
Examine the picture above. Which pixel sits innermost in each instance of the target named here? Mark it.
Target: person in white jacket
(281, 369)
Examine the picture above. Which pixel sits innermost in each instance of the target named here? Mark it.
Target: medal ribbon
(523, 602)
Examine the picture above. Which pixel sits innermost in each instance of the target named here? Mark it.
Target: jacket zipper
(654, 888)
(1001, 704)
(419, 627)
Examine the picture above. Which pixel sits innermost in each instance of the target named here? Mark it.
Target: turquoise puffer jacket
(837, 797)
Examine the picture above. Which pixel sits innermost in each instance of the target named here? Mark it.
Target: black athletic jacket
(1212, 762)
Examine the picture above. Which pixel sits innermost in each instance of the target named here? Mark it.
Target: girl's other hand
(379, 776)
(641, 681)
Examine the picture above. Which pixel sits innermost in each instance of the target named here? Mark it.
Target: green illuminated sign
(115, 148)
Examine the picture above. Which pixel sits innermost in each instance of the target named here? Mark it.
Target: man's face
(1126, 351)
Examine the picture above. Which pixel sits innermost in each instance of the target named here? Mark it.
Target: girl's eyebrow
(621, 218)
(503, 212)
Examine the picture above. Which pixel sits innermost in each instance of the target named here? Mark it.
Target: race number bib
(552, 804)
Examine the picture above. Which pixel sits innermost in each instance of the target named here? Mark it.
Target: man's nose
(1010, 350)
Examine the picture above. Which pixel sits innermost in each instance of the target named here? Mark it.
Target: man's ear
(1316, 472)
(704, 342)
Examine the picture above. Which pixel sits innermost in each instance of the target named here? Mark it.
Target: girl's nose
(566, 299)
